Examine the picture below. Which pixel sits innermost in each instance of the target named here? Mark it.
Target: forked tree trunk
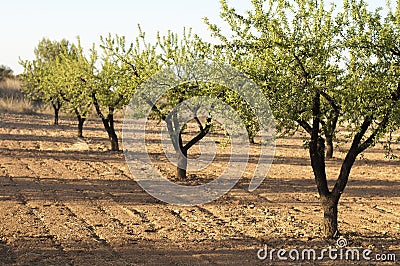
(317, 156)
(329, 199)
(181, 150)
(108, 123)
(56, 108)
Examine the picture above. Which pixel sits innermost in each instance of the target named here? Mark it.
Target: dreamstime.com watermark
(155, 89)
(339, 253)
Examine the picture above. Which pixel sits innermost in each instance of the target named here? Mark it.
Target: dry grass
(12, 99)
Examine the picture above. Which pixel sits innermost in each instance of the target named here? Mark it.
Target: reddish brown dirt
(70, 202)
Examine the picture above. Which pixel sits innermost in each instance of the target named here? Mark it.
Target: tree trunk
(112, 136)
(56, 116)
(56, 107)
(182, 164)
(330, 223)
(175, 133)
(317, 148)
(251, 135)
(329, 147)
(251, 140)
(108, 123)
(114, 140)
(111, 132)
(81, 120)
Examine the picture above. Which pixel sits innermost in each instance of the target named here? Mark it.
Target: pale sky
(25, 22)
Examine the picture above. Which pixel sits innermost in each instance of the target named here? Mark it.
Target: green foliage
(187, 53)
(295, 49)
(71, 69)
(373, 64)
(289, 50)
(123, 68)
(40, 77)
(63, 75)
(322, 69)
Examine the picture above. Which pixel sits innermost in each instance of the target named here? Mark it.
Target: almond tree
(123, 68)
(56, 75)
(187, 56)
(319, 68)
(176, 52)
(69, 72)
(37, 78)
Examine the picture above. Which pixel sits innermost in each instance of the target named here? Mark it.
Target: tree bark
(317, 149)
(175, 133)
(328, 147)
(251, 134)
(330, 221)
(251, 140)
(56, 111)
(113, 139)
(108, 123)
(330, 125)
(182, 164)
(81, 120)
(56, 108)
(112, 136)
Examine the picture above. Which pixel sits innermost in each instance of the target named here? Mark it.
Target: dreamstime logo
(340, 252)
(153, 90)
(341, 242)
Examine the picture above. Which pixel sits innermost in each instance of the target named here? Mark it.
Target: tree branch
(317, 148)
(395, 51)
(123, 59)
(306, 74)
(201, 135)
(119, 99)
(97, 106)
(370, 140)
(199, 123)
(156, 109)
(331, 101)
(356, 149)
(304, 124)
(360, 134)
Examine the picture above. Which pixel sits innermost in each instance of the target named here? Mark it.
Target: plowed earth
(65, 201)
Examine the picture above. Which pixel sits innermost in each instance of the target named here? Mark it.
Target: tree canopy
(323, 70)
